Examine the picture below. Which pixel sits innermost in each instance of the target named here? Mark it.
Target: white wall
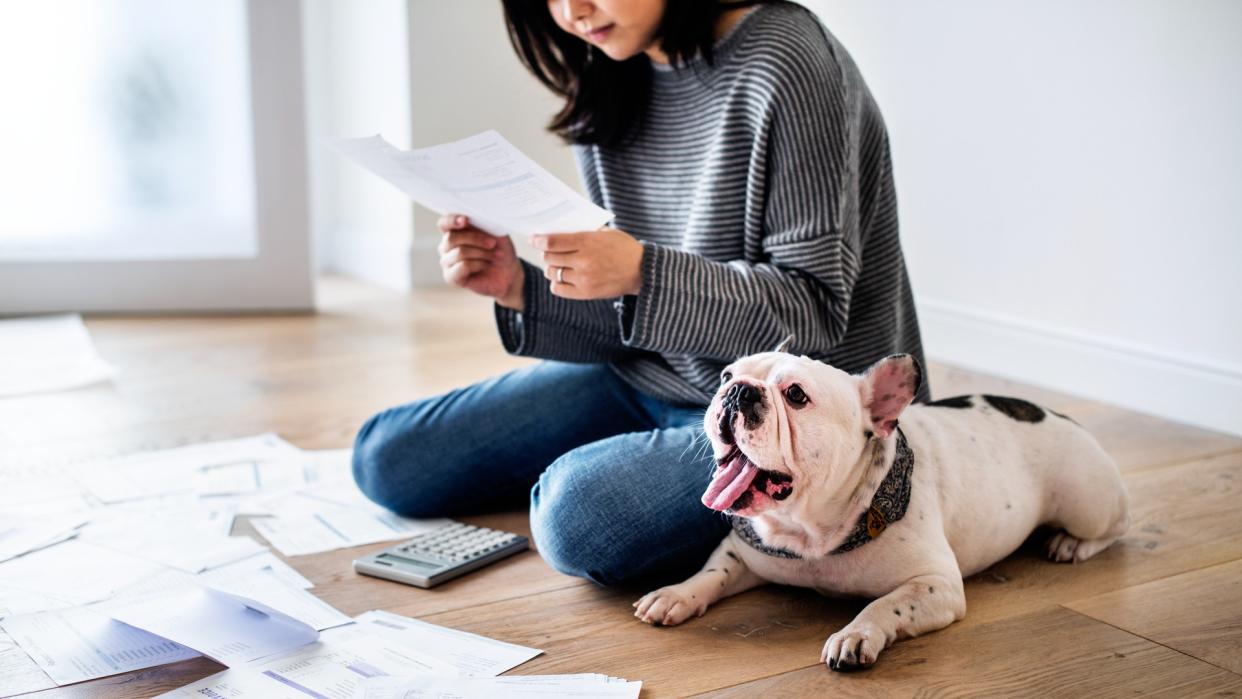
(466, 79)
(1070, 183)
(358, 84)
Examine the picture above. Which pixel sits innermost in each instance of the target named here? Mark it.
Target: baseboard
(1183, 389)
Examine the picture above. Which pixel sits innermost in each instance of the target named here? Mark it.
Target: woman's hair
(606, 99)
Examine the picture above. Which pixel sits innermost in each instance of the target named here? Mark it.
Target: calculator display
(408, 561)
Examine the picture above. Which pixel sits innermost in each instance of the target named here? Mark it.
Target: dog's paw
(854, 647)
(668, 606)
(1063, 547)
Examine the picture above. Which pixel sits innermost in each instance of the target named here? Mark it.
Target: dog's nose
(747, 395)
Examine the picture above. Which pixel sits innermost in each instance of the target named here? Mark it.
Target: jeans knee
(386, 471)
(570, 528)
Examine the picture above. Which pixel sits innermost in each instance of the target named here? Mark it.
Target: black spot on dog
(869, 434)
(897, 611)
(710, 570)
(931, 590)
(1008, 506)
(730, 555)
(761, 480)
(954, 402)
(778, 478)
(1016, 408)
(726, 571)
(782, 494)
(912, 607)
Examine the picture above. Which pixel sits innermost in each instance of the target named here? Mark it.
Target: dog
(826, 491)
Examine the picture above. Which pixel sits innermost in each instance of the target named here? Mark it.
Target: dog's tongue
(729, 482)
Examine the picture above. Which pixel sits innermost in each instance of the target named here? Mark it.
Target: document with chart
(484, 177)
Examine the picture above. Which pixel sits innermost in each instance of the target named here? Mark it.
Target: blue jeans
(614, 476)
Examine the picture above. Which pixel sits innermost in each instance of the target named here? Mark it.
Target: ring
(560, 275)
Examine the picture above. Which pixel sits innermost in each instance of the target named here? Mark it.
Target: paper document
(229, 629)
(266, 587)
(155, 473)
(484, 177)
(179, 542)
(332, 668)
(20, 535)
(58, 576)
(48, 353)
(265, 562)
(470, 653)
(19, 673)
(338, 528)
(535, 686)
(79, 644)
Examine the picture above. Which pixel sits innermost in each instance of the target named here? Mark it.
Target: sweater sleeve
(551, 327)
(801, 281)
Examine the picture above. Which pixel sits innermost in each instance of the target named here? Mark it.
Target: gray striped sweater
(762, 191)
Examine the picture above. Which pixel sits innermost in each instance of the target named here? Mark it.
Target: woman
(749, 173)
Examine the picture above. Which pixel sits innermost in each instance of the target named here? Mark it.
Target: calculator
(432, 558)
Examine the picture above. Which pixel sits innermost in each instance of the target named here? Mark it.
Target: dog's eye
(726, 377)
(796, 395)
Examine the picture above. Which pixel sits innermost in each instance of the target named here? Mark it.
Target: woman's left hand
(591, 265)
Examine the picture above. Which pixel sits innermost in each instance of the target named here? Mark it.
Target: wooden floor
(1159, 613)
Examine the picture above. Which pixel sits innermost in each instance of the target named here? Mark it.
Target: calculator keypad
(457, 542)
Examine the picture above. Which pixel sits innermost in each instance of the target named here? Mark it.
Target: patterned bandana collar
(889, 505)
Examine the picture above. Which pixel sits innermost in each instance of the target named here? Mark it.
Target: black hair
(605, 99)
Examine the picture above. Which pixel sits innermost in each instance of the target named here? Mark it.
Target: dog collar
(887, 506)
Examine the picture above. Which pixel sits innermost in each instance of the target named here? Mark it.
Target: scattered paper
(470, 653)
(175, 541)
(267, 588)
(48, 353)
(539, 686)
(265, 562)
(55, 574)
(484, 177)
(333, 667)
(154, 473)
(229, 629)
(19, 673)
(79, 644)
(22, 535)
(327, 530)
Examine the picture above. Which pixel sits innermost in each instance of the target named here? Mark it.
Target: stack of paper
(380, 644)
(49, 353)
(539, 686)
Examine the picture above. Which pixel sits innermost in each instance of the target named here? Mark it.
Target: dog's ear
(784, 345)
(887, 388)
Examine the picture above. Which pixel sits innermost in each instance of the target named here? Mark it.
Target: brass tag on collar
(876, 523)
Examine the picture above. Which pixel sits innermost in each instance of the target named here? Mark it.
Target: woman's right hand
(483, 263)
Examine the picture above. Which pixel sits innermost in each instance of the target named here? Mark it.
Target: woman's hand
(481, 262)
(591, 265)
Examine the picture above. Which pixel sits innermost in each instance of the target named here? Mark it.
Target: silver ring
(560, 275)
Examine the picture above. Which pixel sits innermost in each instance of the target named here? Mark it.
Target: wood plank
(1198, 613)
(1050, 653)
(592, 629)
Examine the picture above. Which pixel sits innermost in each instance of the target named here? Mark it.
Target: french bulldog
(826, 491)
